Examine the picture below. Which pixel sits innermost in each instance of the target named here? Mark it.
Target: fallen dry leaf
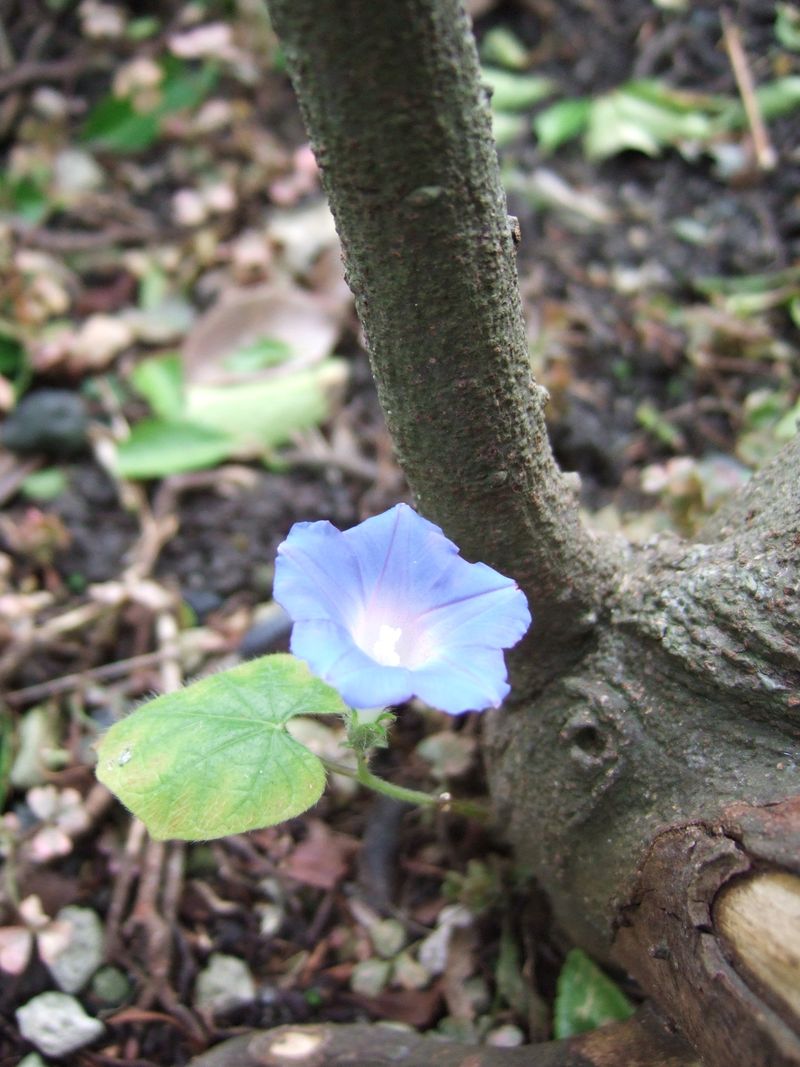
(242, 317)
(322, 860)
(415, 1007)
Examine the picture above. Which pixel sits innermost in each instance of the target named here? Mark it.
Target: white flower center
(384, 650)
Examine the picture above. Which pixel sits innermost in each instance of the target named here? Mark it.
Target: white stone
(75, 964)
(225, 983)
(432, 952)
(508, 1036)
(369, 977)
(100, 338)
(57, 1024)
(76, 172)
(33, 1059)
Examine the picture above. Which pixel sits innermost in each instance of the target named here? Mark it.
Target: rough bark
(401, 128)
(689, 701)
(629, 765)
(662, 686)
(639, 1042)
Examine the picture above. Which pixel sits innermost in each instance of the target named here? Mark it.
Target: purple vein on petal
(460, 600)
(376, 588)
(457, 665)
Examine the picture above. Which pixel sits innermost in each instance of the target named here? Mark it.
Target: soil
(602, 347)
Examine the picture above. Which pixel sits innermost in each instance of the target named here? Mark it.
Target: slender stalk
(401, 127)
(443, 801)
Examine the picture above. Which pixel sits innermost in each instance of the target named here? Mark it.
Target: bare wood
(759, 917)
(640, 1042)
(33, 71)
(68, 682)
(673, 938)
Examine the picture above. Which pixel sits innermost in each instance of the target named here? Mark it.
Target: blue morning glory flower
(390, 610)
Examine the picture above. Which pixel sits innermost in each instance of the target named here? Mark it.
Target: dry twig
(766, 157)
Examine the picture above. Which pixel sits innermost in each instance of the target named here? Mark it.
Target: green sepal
(364, 735)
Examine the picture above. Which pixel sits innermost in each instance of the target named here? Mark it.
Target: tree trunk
(664, 767)
(649, 762)
(401, 128)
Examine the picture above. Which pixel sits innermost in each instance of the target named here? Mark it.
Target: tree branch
(401, 128)
(640, 1042)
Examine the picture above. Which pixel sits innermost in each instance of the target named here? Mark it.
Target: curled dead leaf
(241, 318)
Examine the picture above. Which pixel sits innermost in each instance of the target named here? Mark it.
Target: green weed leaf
(206, 425)
(44, 485)
(14, 363)
(500, 46)
(265, 352)
(158, 447)
(117, 125)
(160, 381)
(216, 758)
(787, 26)
(26, 197)
(645, 116)
(586, 998)
(515, 92)
(6, 756)
(260, 415)
(775, 99)
(561, 122)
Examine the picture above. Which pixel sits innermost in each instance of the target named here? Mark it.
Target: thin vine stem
(443, 801)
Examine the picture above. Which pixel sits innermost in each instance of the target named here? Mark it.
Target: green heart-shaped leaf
(215, 758)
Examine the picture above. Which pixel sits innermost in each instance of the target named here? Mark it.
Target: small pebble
(224, 984)
(33, 1059)
(433, 950)
(76, 963)
(269, 632)
(387, 936)
(508, 1036)
(99, 340)
(202, 602)
(369, 977)
(57, 1024)
(409, 973)
(54, 421)
(270, 919)
(111, 986)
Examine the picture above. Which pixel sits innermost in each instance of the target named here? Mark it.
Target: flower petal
(401, 557)
(464, 679)
(332, 655)
(483, 608)
(317, 575)
(389, 610)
